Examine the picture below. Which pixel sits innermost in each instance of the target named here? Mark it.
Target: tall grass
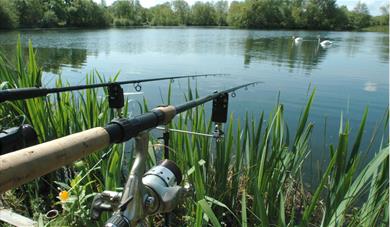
(56, 116)
(253, 177)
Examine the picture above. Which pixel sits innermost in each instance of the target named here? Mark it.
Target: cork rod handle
(24, 165)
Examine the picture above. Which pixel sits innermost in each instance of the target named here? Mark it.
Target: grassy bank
(378, 28)
(251, 178)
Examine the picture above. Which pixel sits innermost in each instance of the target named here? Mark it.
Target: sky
(373, 5)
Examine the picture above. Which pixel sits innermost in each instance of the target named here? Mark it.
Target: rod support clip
(116, 98)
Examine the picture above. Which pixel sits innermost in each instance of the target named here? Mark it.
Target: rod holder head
(116, 98)
(220, 108)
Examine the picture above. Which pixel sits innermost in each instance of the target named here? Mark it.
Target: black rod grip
(122, 129)
(22, 93)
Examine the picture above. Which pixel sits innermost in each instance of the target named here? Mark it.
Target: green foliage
(119, 22)
(203, 13)
(30, 12)
(237, 16)
(377, 28)
(221, 12)
(383, 19)
(56, 116)
(360, 16)
(8, 16)
(162, 15)
(49, 19)
(260, 14)
(262, 171)
(85, 13)
(58, 7)
(127, 13)
(75, 210)
(181, 11)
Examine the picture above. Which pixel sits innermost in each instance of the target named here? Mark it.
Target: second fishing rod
(24, 165)
(113, 88)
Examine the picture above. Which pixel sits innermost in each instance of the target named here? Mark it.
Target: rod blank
(31, 92)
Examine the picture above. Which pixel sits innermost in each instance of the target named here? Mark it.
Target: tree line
(261, 14)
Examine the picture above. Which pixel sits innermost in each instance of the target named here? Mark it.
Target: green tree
(237, 16)
(30, 12)
(181, 11)
(8, 16)
(297, 13)
(128, 12)
(56, 6)
(49, 19)
(122, 10)
(264, 13)
(312, 16)
(221, 12)
(162, 15)
(360, 16)
(286, 19)
(329, 10)
(384, 19)
(86, 13)
(203, 14)
(342, 20)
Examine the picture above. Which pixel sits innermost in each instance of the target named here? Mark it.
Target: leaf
(244, 219)
(209, 212)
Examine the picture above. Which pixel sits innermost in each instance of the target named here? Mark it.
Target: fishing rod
(13, 139)
(114, 88)
(146, 192)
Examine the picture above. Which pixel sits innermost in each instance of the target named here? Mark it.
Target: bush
(49, 19)
(122, 22)
(8, 17)
(84, 13)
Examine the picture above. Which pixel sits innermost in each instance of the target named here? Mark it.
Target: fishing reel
(156, 191)
(16, 138)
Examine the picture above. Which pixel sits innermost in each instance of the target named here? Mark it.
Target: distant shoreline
(382, 28)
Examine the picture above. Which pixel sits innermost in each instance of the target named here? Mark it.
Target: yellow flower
(64, 195)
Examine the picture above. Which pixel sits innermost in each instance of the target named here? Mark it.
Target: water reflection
(383, 48)
(73, 48)
(283, 52)
(53, 59)
(353, 42)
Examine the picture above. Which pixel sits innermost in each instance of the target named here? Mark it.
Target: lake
(350, 75)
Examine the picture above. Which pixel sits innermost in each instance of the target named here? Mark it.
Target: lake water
(351, 74)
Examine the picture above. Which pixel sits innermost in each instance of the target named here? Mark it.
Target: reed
(253, 177)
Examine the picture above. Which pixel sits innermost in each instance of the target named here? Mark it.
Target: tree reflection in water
(52, 59)
(283, 52)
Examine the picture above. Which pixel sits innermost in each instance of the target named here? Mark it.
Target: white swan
(325, 43)
(297, 40)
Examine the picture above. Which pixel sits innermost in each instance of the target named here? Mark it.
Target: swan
(297, 40)
(325, 43)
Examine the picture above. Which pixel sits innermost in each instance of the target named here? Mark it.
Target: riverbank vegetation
(259, 14)
(253, 177)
